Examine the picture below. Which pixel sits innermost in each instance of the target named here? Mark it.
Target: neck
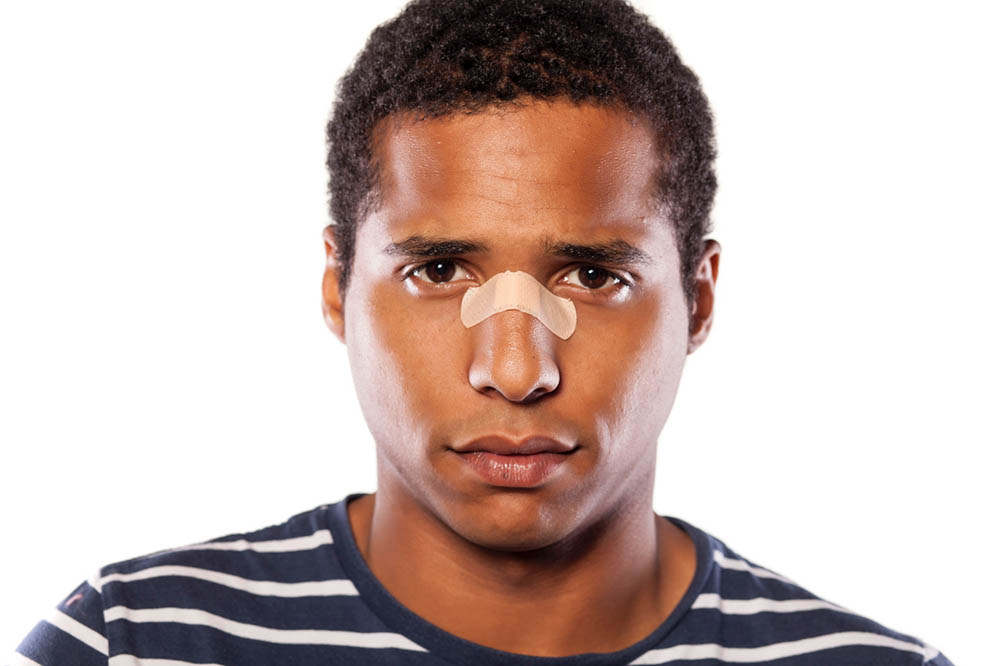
(598, 591)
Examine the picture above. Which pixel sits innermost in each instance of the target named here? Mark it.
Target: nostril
(514, 356)
(538, 393)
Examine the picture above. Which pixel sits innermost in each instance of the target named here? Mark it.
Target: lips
(505, 446)
(503, 462)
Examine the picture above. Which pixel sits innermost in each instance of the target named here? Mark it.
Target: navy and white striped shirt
(301, 593)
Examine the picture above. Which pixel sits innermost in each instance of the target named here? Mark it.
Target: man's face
(516, 190)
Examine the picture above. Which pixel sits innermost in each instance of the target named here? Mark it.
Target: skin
(580, 563)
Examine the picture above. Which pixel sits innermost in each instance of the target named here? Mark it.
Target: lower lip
(514, 471)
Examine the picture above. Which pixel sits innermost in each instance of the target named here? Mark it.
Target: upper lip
(508, 446)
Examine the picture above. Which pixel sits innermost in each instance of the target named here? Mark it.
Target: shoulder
(745, 612)
(235, 576)
(295, 541)
(227, 575)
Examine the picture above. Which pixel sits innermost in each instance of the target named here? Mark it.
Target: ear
(333, 307)
(703, 302)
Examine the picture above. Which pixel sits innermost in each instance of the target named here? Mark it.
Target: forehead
(519, 177)
(552, 157)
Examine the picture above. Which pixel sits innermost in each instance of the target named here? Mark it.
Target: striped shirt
(301, 593)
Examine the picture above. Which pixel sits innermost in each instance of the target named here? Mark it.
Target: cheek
(400, 373)
(627, 370)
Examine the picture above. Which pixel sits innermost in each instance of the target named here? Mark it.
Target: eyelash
(616, 281)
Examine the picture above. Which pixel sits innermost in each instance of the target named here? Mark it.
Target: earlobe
(703, 302)
(333, 307)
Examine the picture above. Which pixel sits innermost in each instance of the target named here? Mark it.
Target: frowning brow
(617, 251)
(424, 247)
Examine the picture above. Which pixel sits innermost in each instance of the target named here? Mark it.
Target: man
(518, 269)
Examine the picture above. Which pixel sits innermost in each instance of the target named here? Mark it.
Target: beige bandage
(517, 290)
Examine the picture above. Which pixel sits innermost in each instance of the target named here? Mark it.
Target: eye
(592, 277)
(439, 271)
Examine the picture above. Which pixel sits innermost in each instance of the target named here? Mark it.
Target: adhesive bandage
(517, 290)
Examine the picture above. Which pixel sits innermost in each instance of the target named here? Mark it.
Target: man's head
(441, 57)
(568, 188)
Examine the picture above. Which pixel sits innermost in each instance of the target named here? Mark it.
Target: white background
(165, 376)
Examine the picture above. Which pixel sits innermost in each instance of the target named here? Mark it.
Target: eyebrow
(616, 251)
(424, 247)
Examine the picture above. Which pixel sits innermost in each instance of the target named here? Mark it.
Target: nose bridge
(514, 354)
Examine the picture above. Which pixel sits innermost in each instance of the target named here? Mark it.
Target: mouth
(503, 462)
(514, 471)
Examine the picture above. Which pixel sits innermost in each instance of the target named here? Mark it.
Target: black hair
(439, 57)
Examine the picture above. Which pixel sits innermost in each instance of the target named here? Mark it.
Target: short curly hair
(439, 57)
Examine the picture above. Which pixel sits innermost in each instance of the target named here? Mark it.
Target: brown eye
(599, 282)
(440, 271)
(593, 277)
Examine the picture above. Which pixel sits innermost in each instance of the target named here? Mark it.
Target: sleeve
(73, 633)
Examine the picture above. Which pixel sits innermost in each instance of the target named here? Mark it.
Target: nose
(515, 356)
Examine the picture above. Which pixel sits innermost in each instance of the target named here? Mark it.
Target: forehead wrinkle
(545, 173)
(523, 183)
(522, 179)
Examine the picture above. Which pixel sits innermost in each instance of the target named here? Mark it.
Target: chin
(521, 538)
(511, 522)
